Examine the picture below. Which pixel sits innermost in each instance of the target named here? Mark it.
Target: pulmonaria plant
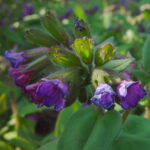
(72, 65)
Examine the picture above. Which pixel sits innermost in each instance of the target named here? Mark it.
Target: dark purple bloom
(49, 93)
(67, 14)
(78, 24)
(16, 59)
(27, 10)
(21, 79)
(92, 11)
(129, 93)
(104, 96)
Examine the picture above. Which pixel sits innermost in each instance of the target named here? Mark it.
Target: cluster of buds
(79, 67)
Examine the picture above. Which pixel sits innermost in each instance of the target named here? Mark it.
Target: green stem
(125, 115)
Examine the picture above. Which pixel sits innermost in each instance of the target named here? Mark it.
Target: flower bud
(21, 79)
(84, 48)
(64, 58)
(39, 37)
(15, 58)
(129, 93)
(104, 96)
(49, 93)
(81, 28)
(104, 54)
(53, 26)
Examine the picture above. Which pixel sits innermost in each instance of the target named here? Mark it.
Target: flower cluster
(128, 93)
(78, 61)
(45, 92)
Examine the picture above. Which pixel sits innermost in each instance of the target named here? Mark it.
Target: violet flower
(78, 24)
(21, 79)
(129, 93)
(27, 10)
(15, 58)
(104, 96)
(49, 93)
(92, 11)
(67, 14)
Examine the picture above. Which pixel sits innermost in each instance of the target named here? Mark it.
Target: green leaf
(140, 75)
(118, 64)
(87, 130)
(136, 135)
(146, 58)
(39, 37)
(84, 48)
(104, 54)
(63, 118)
(49, 146)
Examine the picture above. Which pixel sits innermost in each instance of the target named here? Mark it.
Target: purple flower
(16, 59)
(27, 10)
(78, 24)
(129, 93)
(49, 93)
(67, 14)
(21, 79)
(92, 11)
(104, 96)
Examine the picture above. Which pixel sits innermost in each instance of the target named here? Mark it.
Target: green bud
(64, 57)
(39, 37)
(54, 27)
(38, 64)
(99, 76)
(84, 32)
(104, 54)
(84, 48)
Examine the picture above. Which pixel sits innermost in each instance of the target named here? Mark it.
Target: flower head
(16, 59)
(67, 14)
(78, 24)
(104, 96)
(49, 93)
(92, 11)
(129, 93)
(21, 79)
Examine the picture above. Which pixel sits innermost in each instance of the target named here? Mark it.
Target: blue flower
(129, 93)
(16, 59)
(104, 96)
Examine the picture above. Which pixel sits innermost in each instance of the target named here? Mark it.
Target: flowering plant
(72, 67)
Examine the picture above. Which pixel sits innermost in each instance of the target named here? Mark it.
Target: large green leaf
(118, 64)
(49, 146)
(146, 52)
(87, 130)
(135, 136)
